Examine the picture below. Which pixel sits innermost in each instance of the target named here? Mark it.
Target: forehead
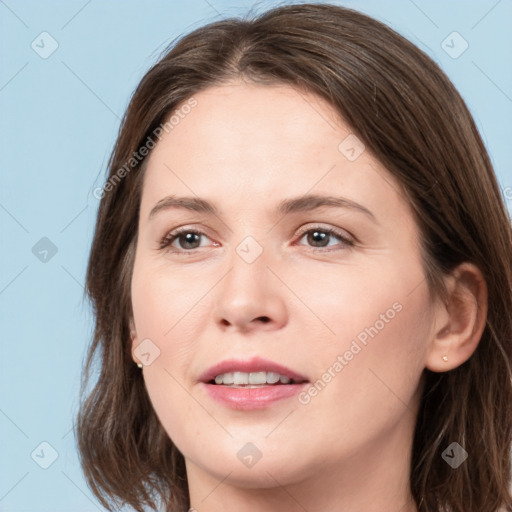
(259, 143)
(276, 122)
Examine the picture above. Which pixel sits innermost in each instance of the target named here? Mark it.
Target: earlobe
(134, 341)
(461, 319)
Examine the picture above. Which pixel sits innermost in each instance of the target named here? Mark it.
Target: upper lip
(256, 364)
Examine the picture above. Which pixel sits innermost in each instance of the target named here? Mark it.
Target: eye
(187, 238)
(319, 237)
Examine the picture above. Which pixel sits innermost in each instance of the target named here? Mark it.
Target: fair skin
(245, 148)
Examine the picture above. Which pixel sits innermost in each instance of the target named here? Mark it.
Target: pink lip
(251, 398)
(256, 364)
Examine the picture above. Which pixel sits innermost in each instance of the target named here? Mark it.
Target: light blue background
(59, 119)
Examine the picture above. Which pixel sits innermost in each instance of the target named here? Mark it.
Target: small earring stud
(139, 365)
(445, 358)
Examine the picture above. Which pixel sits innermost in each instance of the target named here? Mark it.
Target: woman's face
(348, 311)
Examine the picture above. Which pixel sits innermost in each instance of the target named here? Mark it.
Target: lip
(251, 398)
(256, 364)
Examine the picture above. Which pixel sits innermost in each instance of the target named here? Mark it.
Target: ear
(134, 340)
(460, 321)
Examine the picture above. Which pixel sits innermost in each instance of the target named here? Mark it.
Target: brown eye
(319, 238)
(188, 240)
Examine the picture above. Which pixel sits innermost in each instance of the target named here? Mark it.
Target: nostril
(263, 319)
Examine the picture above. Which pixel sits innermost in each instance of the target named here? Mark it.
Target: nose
(250, 297)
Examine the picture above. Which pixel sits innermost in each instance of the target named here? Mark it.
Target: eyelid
(341, 233)
(345, 238)
(171, 236)
(346, 241)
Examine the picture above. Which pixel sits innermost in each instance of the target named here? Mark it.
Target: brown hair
(410, 116)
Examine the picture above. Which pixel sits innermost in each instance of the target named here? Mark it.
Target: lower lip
(252, 398)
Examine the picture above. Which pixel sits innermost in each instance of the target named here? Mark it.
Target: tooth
(228, 378)
(257, 377)
(240, 378)
(253, 378)
(272, 377)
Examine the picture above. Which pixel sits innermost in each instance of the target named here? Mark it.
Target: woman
(302, 281)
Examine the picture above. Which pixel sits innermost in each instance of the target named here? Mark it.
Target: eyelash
(168, 239)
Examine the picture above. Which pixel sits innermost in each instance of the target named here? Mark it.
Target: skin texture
(246, 147)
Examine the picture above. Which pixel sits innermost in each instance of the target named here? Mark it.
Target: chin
(260, 476)
(265, 473)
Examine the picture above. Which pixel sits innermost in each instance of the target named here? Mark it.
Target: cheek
(370, 375)
(369, 301)
(166, 309)
(163, 312)
(177, 412)
(374, 329)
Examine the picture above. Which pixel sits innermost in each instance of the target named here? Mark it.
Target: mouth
(253, 384)
(260, 379)
(255, 372)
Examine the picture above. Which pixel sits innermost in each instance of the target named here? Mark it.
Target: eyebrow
(293, 205)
